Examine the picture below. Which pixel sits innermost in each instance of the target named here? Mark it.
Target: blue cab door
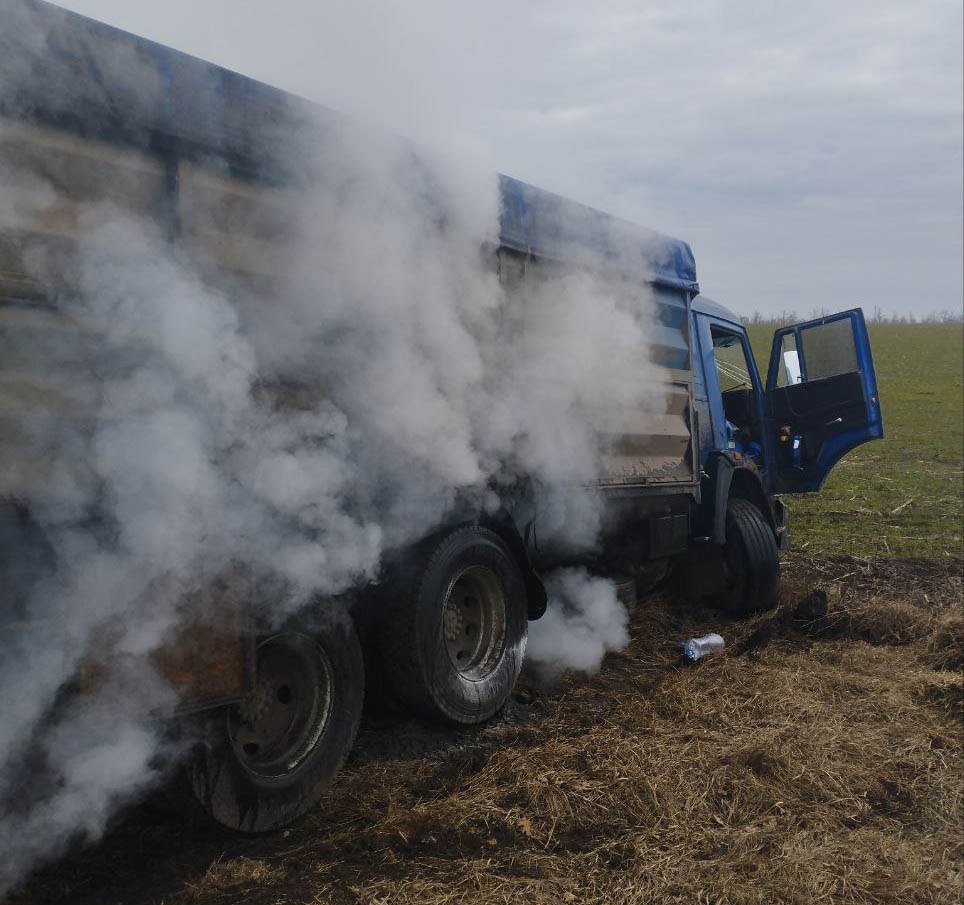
(822, 398)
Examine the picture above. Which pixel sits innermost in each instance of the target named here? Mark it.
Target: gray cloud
(811, 153)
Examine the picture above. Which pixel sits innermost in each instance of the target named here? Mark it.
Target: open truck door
(822, 398)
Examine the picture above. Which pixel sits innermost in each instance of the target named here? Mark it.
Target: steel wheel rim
(278, 725)
(474, 622)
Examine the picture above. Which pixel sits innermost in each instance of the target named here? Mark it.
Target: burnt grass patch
(818, 759)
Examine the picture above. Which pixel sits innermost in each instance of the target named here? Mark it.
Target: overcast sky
(811, 152)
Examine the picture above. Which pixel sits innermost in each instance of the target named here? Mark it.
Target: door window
(829, 349)
(788, 369)
(731, 363)
(740, 430)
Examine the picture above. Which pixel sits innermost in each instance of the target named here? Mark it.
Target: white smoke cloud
(301, 426)
(90, 759)
(584, 621)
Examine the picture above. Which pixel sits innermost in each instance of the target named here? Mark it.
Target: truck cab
(818, 401)
(758, 437)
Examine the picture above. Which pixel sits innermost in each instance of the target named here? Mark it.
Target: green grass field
(901, 496)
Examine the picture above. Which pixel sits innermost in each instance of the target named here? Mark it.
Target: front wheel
(751, 561)
(268, 759)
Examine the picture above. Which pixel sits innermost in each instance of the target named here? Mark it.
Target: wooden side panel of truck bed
(53, 187)
(237, 232)
(649, 443)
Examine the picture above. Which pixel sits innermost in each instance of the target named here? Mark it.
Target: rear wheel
(268, 759)
(454, 638)
(751, 561)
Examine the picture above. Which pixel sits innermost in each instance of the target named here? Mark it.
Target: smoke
(583, 623)
(361, 373)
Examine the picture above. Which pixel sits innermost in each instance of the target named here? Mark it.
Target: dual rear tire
(266, 761)
(452, 642)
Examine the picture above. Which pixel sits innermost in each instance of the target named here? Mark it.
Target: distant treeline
(878, 316)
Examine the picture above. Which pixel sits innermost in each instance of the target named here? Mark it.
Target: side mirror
(791, 367)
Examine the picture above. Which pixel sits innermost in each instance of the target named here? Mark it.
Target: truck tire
(751, 562)
(453, 637)
(267, 761)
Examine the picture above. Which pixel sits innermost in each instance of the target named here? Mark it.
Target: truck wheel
(268, 760)
(751, 563)
(454, 638)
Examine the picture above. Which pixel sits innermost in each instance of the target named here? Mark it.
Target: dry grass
(819, 760)
(945, 646)
(227, 878)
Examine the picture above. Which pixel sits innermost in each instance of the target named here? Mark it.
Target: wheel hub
(277, 726)
(473, 621)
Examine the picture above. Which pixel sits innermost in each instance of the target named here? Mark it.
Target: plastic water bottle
(696, 648)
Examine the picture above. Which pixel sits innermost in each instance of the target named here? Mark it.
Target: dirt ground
(818, 760)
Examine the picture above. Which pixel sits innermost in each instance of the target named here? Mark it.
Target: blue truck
(692, 491)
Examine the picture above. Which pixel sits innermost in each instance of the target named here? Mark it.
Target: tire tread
(758, 550)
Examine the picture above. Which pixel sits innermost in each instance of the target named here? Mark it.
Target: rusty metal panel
(207, 661)
(205, 664)
(647, 446)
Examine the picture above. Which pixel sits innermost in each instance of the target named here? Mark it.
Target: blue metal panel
(704, 327)
(703, 423)
(707, 367)
(548, 225)
(843, 441)
(704, 305)
(670, 331)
